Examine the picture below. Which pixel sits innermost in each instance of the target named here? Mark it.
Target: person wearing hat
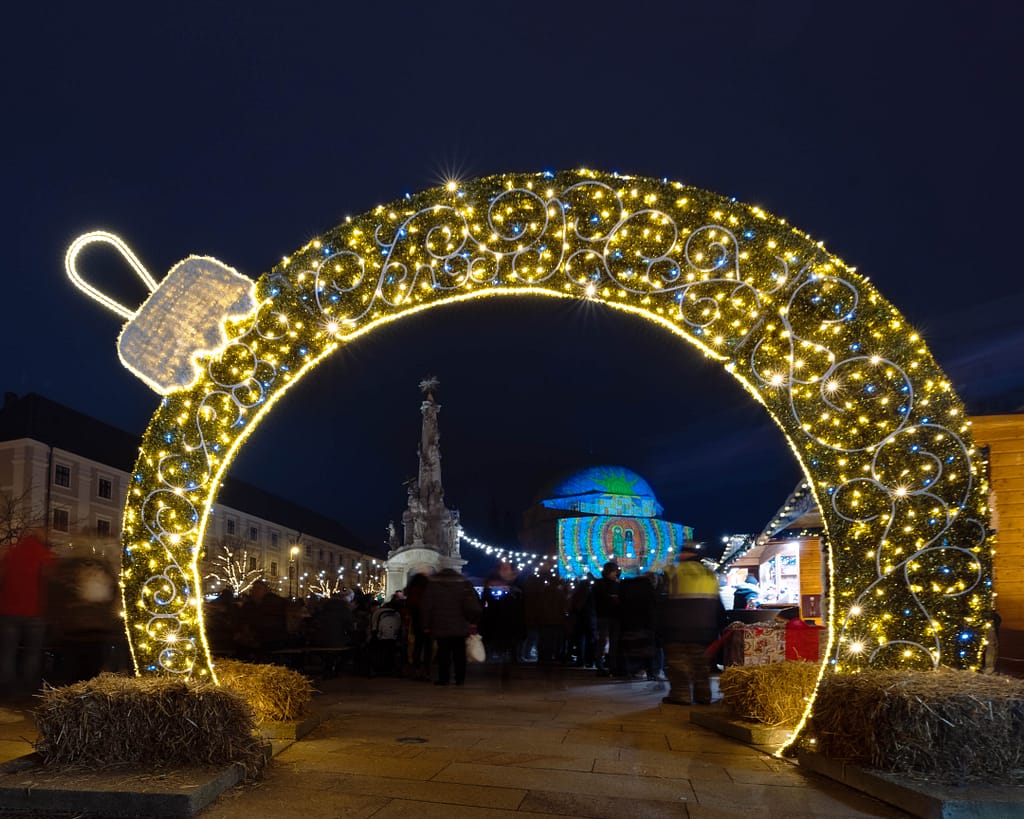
(607, 610)
(691, 616)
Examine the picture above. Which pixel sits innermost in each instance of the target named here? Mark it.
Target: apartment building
(69, 473)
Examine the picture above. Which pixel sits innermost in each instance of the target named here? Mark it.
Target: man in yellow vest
(690, 618)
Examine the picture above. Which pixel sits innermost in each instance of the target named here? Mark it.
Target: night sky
(889, 132)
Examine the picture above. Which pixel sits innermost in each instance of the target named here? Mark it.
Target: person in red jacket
(23, 571)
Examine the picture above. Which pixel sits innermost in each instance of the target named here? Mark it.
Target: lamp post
(291, 571)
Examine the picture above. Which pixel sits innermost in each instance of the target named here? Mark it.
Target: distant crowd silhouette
(60, 623)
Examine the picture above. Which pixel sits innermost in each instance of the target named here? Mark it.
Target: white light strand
(521, 559)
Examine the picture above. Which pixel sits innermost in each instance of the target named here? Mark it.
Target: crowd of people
(655, 626)
(59, 622)
(59, 618)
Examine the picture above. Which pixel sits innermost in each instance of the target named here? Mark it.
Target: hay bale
(946, 725)
(114, 720)
(275, 693)
(772, 694)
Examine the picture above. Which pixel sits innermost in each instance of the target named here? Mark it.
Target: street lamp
(291, 571)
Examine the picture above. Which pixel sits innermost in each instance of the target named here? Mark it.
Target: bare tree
(230, 567)
(325, 585)
(17, 516)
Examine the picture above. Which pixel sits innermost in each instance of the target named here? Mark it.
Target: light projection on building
(611, 514)
(638, 545)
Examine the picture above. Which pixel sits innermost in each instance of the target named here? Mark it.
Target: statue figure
(428, 385)
(392, 536)
(417, 512)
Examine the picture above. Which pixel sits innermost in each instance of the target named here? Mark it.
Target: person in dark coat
(503, 623)
(451, 610)
(639, 603)
(609, 625)
(83, 617)
(220, 622)
(583, 622)
(690, 618)
(545, 608)
(421, 643)
(262, 621)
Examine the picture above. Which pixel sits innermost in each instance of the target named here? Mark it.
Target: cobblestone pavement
(542, 743)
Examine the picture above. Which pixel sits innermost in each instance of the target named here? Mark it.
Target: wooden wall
(1004, 437)
(812, 573)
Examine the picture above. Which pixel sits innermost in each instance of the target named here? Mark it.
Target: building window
(105, 488)
(229, 527)
(62, 475)
(321, 555)
(309, 551)
(273, 568)
(102, 527)
(254, 533)
(275, 539)
(252, 563)
(61, 520)
(330, 558)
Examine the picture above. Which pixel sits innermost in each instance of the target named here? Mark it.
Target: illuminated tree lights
(879, 433)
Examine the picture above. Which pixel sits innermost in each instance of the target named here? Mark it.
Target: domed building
(598, 514)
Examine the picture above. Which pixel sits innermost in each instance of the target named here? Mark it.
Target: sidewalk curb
(25, 785)
(929, 800)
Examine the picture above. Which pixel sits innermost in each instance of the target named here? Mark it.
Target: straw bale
(945, 725)
(115, 720)
(274, 692)
(773, 694)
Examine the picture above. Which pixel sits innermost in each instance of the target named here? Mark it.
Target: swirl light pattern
(880, 434)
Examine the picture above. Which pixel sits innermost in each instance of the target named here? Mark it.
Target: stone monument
(430, 531)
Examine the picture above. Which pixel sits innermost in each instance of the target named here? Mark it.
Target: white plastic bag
(475, 651)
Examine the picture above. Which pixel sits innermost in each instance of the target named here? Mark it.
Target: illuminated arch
(874, 423)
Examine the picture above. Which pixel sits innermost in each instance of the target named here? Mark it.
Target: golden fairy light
(878, 431)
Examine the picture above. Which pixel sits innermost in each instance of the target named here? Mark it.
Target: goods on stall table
(753, 645)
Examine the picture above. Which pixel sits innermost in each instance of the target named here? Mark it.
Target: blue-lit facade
(609, 513)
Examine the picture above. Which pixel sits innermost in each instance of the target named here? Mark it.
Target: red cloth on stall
(802, 640)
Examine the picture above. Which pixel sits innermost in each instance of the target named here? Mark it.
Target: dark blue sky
(888, 131)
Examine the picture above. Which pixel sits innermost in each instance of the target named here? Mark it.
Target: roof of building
(38, 418)
(599, 480)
